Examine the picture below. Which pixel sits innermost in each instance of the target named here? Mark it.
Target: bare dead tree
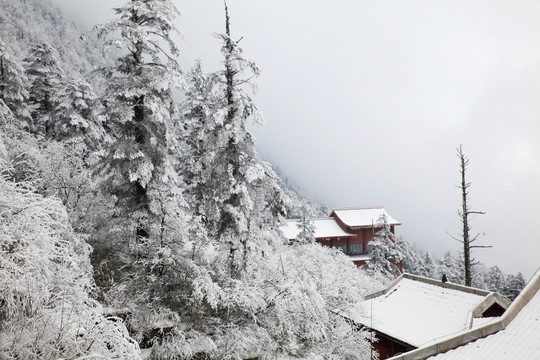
(464, 214)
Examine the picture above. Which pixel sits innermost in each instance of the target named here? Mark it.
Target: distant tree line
(419, 262)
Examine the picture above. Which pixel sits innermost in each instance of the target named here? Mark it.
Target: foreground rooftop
(515, 335)
(415, 310)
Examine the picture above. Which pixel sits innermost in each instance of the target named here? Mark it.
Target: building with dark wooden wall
(347, 229)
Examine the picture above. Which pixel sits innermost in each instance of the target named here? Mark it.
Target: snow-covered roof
(417, 310)
(515, 335)
(324, 228)
(360, 257)
(363, 216)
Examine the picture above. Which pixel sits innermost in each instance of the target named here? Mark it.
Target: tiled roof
(520, 339)
(417, 310)
(363, 216)
(514, 335)
(324, 228)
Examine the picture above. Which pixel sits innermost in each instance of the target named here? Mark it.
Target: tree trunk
(464, 213)
(464, 219)
(2, 76)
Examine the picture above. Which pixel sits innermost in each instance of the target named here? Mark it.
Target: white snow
(364, 257)
(519, 340)
(416, 312)
(324, 228)
(363, 216)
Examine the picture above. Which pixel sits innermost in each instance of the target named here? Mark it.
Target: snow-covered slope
(25, 23)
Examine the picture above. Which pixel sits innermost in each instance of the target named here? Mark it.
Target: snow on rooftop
(324, 228)
(520, 339)
(363, 216)
(360, 257)
(416, 312)
(482, 321)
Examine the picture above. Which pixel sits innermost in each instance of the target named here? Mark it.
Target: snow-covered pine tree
(241, 197)
(450, 266)
(428, 265)
(75, 113)
(411, 256)
(416, 261)
(514, 285)
(139, 104)
(201, 115)
(384, 254)
(307, 231)
(495, 279)
(162, 262)
(13, 84)
(42, 66)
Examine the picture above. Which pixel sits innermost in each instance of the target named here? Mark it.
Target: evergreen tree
(411, 257)
(147, 225)
(241, 196)
(139, 104)
(13, 84)
(384, 254)
(75, 113)
(514, 285)
(496, 279)
(307, 231)
(42, 66)
(451, 266)
(428, 265)
(200, 118)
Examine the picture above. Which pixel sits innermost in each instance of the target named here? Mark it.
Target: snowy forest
(138, 221)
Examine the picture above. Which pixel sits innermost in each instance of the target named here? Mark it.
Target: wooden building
(347, 229)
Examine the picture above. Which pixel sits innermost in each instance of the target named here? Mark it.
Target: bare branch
(163, 52)
(477, 236)
(453, 237)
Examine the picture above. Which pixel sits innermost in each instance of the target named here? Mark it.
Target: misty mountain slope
(25, 23)
(301, 204)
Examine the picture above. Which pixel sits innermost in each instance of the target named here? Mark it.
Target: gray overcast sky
(366, 102)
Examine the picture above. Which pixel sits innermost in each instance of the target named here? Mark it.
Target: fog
(366, 102)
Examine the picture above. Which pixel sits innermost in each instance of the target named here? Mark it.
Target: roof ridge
(447, 285)
(313, 218)
(359, 207)
(430, 281)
